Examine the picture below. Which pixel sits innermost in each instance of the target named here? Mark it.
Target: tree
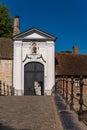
(6, 28)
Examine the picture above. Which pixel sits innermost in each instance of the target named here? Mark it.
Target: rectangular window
(77, 83)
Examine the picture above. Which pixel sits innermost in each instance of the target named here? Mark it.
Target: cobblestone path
(29, 113)
(69, 118)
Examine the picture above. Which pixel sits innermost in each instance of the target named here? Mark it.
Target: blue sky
(65, 19)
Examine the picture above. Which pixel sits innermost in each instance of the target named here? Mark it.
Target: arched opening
(34, 78)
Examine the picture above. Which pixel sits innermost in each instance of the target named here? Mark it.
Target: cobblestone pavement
(29, 113)
(69, 118)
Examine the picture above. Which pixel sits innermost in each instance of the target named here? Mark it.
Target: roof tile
(6, 48)
(71, 64)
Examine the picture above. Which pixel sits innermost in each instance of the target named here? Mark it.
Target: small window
(77, 83)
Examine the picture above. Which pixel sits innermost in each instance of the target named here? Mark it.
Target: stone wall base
(21, 92)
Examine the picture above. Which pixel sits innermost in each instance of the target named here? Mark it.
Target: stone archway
(34, 78)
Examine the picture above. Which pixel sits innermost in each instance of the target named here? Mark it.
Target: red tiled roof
(71, 64)
(6, 48)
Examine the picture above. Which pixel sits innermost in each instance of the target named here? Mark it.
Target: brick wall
(6, 71)
(59, 89)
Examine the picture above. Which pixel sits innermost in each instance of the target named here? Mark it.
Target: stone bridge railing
(74, 91)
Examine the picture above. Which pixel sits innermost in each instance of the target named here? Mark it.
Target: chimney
(75, 50)
(16, 28)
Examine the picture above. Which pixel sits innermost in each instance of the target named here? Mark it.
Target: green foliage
(5, 22)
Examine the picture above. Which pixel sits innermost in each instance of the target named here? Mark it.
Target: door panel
(28, 90)
(33, 71)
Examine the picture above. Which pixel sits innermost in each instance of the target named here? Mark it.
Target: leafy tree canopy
(6, 28)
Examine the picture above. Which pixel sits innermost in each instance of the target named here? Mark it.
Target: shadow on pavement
(68, 119)
(2, 127)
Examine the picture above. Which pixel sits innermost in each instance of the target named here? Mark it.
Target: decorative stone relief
(34, 53)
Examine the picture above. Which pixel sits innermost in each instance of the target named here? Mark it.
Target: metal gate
(33, 73)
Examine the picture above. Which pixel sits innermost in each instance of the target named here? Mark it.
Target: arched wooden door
(33, 73)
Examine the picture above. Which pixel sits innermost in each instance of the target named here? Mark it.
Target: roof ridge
(70, 54)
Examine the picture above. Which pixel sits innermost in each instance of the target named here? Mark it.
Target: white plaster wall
(34, 36)
(17, 70)
(21, 49)
(50, 82)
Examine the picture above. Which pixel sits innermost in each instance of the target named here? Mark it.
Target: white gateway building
(33, 63)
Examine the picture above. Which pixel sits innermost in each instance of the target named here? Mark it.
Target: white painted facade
(45, 45)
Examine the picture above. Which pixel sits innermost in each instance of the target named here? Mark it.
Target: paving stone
(69, 118)
(29, 113)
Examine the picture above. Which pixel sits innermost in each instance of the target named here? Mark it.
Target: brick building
(70, 66)
(6, 60)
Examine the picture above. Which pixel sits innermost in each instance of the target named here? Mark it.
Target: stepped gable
(6, 48)
(71, 64)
